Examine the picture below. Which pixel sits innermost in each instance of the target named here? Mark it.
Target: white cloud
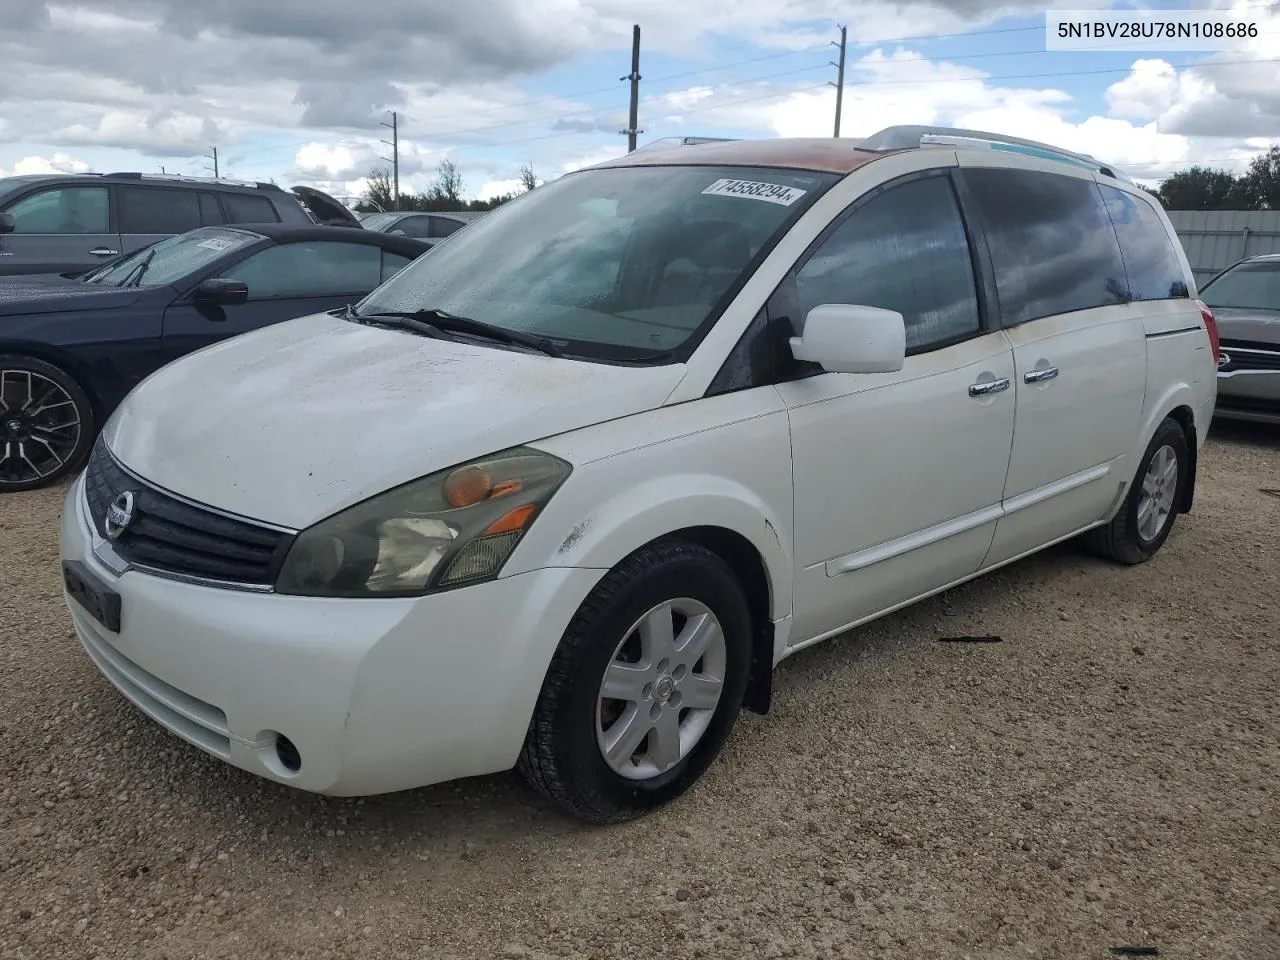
(496, 188)
(592, 158)
(58, 163)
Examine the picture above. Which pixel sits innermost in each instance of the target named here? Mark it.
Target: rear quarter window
(1149, 256)
(243, 209)
(1052, 245)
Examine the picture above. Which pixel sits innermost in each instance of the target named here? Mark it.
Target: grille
(1249, 355)
(176, 537)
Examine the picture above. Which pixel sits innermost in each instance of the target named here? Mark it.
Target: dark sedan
(71, 349)
(1245, 299)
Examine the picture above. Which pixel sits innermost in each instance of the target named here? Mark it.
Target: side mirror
(846, 338)
(6, 223)
(222, 291)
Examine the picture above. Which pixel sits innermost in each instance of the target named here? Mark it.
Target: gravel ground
(1103, 778)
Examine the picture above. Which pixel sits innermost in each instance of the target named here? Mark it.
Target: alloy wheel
(661, 689)
(40, 427)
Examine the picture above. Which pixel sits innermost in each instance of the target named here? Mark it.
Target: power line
(633, 122)
(394, 144)
(794, 72)
(839, 84)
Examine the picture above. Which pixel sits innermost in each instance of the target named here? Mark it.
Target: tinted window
(311, 269)
(1051, 243)
(393, 263)
(417, 227)
(63, 210)
(1149, 257)
(1250, 286)
(906, 250)
(377, 221)
(210, 212)
(150, 210)
(443, 226)
(242, 209)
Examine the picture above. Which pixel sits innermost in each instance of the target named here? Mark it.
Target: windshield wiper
(441, 320)
(134, 277)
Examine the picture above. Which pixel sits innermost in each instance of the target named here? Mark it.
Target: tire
(1125, 539)
(564, 751)
(41, 449)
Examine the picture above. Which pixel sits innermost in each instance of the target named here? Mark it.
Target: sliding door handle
(988, 387)
(1041, 375)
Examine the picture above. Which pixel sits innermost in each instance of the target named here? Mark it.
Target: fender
(733, 473)
(648, 512)
(1175, 395)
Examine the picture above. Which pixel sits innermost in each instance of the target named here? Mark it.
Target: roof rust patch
(827, 154)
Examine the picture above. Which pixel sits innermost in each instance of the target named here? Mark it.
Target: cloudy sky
(296, 89)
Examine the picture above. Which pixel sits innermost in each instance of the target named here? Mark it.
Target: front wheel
(644, 687)
(46, 423)
(1146, 517)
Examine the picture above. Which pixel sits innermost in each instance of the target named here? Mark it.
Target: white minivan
(562, 494)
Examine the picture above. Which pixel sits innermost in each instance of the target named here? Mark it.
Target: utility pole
(215, 162)
(633, 126)
(839, 84)
(394, 144)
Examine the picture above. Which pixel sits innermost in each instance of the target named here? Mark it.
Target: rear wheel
(645, 686)
(46, 423)
(1146, 518)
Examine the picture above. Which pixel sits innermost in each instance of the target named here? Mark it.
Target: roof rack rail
(135, 175)
(909, 137)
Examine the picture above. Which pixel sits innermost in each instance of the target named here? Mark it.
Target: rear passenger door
(1078, 345)
(148, 214)
(59, 229)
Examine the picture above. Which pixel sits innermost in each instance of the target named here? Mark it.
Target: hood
(296, 421)
(51, 293)
(1260, 326)
(325, 208)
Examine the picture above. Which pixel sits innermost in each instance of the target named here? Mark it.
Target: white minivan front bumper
(375, 695)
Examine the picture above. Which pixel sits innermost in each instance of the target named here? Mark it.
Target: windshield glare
(175, 257)
(1253, 286)
(616, 263)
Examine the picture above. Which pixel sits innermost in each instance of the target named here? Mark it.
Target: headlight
(454, 527)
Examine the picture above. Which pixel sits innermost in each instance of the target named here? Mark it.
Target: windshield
(10, 184)
(1251, 286)
(618, 263)
(377, 221)
(174, 257)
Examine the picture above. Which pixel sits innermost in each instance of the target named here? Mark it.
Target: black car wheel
(645, 686)
(47, 423)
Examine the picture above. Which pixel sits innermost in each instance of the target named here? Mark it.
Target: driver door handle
(1041, 375)
(104, 252)
(988, 387)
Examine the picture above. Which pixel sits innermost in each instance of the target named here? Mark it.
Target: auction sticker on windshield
(216, 244)
(754, 190)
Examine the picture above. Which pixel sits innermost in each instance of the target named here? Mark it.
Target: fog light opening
(288, 754)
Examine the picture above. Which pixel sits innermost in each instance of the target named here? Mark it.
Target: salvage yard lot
(1105, 776)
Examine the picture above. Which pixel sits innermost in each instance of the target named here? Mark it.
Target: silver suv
(71, 223)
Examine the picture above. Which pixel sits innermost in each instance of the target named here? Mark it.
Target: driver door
(897, 476)
(63, 229)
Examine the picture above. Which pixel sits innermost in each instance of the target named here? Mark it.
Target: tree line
(1204, 188)
(444, 194)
